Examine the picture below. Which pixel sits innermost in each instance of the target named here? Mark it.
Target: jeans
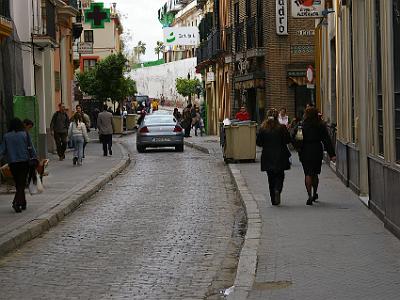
(78, 149)
(61, 142)
(106, 139)
(19, 171)
(275, 181)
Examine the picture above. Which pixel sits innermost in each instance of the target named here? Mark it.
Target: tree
(107, 80)
(140, 49)
(159, 48)
(188, 87)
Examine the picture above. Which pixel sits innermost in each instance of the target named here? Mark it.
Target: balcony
(47, 35)
(209, 48)
(6, 26)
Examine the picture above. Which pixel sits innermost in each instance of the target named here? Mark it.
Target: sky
(139, 19)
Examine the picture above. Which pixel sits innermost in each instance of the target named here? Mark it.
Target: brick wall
(280, 52)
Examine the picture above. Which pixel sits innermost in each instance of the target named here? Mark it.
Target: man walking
(59, 129)
(106, 129)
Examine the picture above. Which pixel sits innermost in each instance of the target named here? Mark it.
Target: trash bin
(131, 120)
(240, 141)
(118, 124)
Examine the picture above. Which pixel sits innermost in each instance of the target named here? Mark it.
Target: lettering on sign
(281, 17)
(306, 32)
(308, 8)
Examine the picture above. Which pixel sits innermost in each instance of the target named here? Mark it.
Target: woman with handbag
(78, 134)
(273, 138)
(21, 156)
(310, 138)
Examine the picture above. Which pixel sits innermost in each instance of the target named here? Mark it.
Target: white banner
(307, 8)
(182, 36)
(281, 17)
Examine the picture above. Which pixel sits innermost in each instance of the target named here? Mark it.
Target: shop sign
(308, 8)
(85, 48)
(181, 36)
(210, 77)
(281, 17)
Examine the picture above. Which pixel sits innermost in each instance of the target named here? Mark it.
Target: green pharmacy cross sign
(97, 15)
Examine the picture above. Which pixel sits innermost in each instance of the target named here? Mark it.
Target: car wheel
(179, 148)
(140, 149)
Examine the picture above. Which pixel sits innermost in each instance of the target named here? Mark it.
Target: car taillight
(177, 129)
(144, 130)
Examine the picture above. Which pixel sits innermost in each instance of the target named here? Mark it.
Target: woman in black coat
(273, 138)
(311, 144)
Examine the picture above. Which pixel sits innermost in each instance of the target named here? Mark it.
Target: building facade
(42, 66)
(359, 92)
(260, 53)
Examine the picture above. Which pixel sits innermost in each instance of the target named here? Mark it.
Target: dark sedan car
(159, 130)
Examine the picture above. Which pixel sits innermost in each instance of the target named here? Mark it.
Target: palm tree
(159, 49)
(140, 49)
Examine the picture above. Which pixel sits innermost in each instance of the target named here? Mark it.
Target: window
(379, 99)
(88, 36)
(5, 8)
(248, 8)
(89, 64)
(396, 52)
(236, 11)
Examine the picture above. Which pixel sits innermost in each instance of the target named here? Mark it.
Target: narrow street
(160, 230)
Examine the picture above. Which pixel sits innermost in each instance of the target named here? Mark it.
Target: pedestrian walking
(106, 130)
(86, 119)
(283, 117)
(310, 137)
(78, 133)
(21, 155)
(177, 114)
(187, 120)
(196, 122)
(96, 112)
(59, 129)
(273, 138)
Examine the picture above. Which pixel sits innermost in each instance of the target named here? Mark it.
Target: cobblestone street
(160, 230)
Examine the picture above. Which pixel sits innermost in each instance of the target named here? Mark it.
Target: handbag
(299, 134)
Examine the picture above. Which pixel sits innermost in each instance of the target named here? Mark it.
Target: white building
(161, 80)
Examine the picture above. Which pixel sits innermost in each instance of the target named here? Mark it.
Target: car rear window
(160, 119)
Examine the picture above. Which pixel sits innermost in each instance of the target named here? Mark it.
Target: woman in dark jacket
(18, 149)
(315, 138)
(273, 138)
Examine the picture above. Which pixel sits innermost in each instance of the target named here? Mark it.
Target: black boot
(277, 198)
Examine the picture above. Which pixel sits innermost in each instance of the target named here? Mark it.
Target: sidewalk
(336, 249)
(66, 187)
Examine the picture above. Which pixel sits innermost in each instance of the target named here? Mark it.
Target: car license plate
(161, 139)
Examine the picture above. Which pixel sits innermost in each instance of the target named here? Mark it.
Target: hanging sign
(181, 36)
(85, 48)
(308, 8)
(281, 17)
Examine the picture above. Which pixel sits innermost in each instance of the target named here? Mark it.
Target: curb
(67, 205)
(247, 266)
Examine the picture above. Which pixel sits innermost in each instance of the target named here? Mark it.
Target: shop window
(379, 98)
(89, 64)
(88, 36)
(396, 52)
